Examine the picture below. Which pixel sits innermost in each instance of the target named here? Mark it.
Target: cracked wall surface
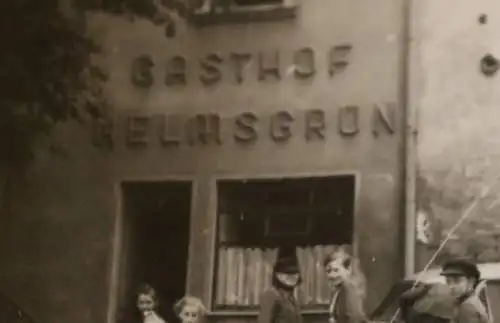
(459, 132)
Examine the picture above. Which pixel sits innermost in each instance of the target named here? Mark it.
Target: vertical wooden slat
(232, 278)
(305, 284)
(247, 297)
(300, 258)
(318, 273)
(221, 277)
(236, 266)
(259, 272)
(311, 264)
(324, 283)
(267, 268)
(228, 276)
(256, 266)
(241, 276)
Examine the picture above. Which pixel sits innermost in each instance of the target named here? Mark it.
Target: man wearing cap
(457, 301)
(463, 277)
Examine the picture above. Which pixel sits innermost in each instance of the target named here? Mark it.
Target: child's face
(336, 272)
(459, 285)
(290, 280)
(145, 303)
(190, 314)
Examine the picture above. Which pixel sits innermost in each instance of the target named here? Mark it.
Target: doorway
(155, 243)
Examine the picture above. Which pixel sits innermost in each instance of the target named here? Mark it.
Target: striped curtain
(244, 273)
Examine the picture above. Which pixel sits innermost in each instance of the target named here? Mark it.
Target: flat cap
(461, 267)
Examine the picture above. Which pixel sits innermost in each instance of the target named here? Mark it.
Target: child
(347, 285)
(190, 309)
(147, 304)
(278, 303)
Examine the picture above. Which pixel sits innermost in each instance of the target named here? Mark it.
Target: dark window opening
(256, 217)
(268, 213)
(155, 244)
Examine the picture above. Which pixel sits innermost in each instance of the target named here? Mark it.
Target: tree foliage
(47, 73)
(469, 185)
(47, 76)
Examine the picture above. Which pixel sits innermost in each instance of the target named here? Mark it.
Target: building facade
(454, 85)
(225, 139)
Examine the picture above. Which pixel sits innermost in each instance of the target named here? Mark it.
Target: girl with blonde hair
(348, 287)
(190, 309)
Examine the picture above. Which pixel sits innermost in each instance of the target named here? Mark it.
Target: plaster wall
(458, 128)
(57, 244)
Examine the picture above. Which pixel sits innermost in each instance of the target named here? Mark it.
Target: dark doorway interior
(155, 242)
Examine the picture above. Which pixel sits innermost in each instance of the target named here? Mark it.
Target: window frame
(211, 273)
(208, 14)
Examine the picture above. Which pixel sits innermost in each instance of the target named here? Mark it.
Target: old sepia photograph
(250, 161)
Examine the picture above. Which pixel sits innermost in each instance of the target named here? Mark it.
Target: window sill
(251, 313)
(206, 16)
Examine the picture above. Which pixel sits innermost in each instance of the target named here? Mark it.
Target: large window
(255, 217)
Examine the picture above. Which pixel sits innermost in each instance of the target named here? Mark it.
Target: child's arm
(409, 297)
(268, 305)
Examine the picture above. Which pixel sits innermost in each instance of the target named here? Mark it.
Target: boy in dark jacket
(454, 302)
(278, 304)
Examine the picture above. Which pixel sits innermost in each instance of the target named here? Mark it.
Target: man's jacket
(435, 304)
